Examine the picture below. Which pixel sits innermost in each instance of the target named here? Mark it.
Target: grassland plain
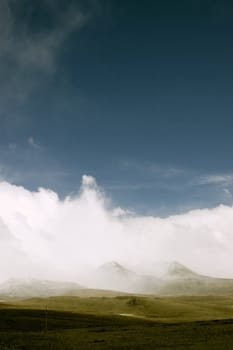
(121, 322)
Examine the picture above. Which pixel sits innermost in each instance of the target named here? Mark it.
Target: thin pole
(46, 317)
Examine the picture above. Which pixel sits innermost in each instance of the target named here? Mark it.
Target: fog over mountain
(176, 279)
(112, 279)
(42, 236)
(27, 288)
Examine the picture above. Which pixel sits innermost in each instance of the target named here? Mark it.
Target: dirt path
(135, 316)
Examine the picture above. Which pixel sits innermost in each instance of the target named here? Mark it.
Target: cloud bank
(43, 236)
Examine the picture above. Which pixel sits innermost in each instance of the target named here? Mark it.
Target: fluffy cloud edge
(44, 236)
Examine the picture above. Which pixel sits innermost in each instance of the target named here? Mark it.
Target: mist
(42, 236)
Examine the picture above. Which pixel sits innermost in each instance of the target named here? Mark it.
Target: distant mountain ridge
(177, 280)
(180, 280)
(27, 288)
(113, 275)
(115, 267)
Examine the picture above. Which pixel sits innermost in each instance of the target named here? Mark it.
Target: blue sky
(136, 94)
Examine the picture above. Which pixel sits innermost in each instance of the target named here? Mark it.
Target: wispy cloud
(32, 143)
(148, 175)
(218, 179)
(12, 147)
(27, 52)
(227, 193)
(35, 49)
(152, 169)
(165, 170)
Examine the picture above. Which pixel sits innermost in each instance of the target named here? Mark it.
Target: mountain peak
(176, 269)
(113, 266)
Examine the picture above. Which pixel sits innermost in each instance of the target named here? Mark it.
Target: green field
(121, 322)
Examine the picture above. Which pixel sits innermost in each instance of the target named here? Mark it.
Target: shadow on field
(23, 320)
(22, 329)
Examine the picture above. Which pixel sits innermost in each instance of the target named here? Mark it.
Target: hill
(27, 288)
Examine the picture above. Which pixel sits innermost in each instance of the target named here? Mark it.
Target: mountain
(113, 276)
(114, 268)
(177, 270)
(180, 280)
(27, 288)
(176, 280)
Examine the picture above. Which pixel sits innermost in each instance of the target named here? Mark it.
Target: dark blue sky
(135, 93)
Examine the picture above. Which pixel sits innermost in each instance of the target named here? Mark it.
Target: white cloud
(43, 236)
(227, 192)
(219, 179)
(88, 181)
(33, 143)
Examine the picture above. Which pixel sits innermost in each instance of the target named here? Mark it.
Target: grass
(95, 323)
(166, 309)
